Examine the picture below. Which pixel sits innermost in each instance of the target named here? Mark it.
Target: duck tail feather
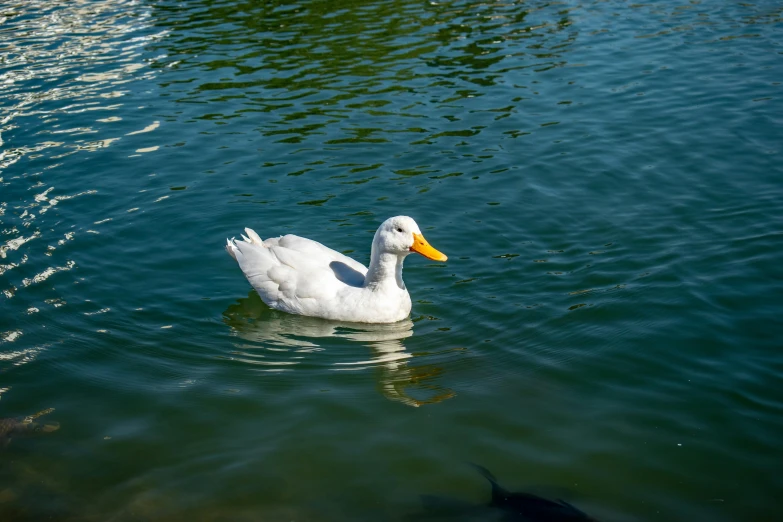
(231, 248)
(254, 238)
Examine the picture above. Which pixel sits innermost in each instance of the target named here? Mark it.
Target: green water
(605, 178)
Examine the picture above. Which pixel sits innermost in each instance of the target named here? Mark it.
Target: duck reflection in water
(280, 341)
(505, 506)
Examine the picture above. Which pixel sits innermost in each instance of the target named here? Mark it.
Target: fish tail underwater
(531, 507)
(498, 493)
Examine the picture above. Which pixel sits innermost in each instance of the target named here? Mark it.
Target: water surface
(604, 176)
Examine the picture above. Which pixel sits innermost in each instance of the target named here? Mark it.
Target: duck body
(301, 276)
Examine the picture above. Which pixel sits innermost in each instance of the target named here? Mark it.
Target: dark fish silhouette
(12, 427)
(527, 507)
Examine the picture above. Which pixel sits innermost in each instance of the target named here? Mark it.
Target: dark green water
(605, 177)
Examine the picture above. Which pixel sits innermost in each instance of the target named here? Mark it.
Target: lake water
(605, 178)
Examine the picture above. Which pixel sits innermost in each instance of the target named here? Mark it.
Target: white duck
(301, 276)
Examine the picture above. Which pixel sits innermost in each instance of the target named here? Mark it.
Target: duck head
(401, 235)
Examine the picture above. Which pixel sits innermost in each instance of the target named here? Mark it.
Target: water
(604, 176)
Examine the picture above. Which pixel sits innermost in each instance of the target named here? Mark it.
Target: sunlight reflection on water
(59, 61)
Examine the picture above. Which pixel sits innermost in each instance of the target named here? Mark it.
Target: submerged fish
(12, 427)
(528, 507)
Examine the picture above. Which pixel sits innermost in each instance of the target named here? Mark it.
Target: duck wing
(315, 249)
(292, 273)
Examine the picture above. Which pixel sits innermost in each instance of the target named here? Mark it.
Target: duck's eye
(399, 229)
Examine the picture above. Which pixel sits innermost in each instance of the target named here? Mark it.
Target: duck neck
(385, 269)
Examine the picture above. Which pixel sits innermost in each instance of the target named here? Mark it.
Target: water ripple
(603, 176)
(278, 342)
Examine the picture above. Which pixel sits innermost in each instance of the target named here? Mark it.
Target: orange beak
(420, 246)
